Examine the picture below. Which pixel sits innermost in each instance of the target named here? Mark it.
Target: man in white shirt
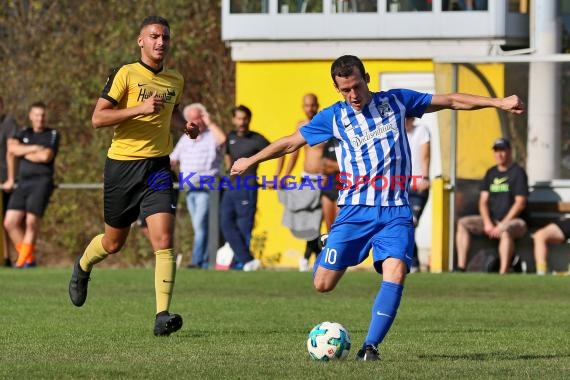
(199, 162)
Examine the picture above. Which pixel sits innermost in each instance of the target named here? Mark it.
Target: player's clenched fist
(153, 104)
(513, 104)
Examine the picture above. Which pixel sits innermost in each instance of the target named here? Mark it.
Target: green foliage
(62, 51)
(255, 326)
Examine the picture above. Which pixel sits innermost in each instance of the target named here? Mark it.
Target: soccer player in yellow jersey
(138, 100)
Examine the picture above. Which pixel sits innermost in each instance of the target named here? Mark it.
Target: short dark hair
(152, 20)
(343, 67)
(243, 109)
(39, 104)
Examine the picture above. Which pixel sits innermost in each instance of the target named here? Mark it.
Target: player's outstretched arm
(284, 145)
(467, 102)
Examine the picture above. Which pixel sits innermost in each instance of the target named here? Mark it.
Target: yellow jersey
(142, 136)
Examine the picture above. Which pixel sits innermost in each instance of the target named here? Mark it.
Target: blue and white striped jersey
(372, 148)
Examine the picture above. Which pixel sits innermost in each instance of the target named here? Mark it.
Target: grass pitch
(254, 326)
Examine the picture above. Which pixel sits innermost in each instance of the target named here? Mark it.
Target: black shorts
(564, 225)
(31, 195)
(331, 192)
(141, 221)
(136, 187)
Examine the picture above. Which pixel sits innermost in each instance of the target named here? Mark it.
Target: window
(565, 17)
(300, 6)
(408, 5)
(343, 6)
(249, 6)
(464, 5)
(518, 6)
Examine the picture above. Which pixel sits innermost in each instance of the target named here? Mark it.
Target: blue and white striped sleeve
(320, 128)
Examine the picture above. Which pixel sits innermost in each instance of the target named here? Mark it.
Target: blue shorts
(356, 229)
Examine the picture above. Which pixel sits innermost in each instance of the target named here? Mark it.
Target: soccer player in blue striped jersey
(375, 164)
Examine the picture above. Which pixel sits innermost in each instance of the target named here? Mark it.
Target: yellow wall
(476, 130)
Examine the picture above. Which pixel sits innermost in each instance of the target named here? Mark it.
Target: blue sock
(383, 312)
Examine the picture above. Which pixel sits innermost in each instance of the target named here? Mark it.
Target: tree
(62, 51)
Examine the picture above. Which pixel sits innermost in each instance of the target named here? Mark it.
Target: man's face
(503, 156)
(310, 106)
(154, 41)
(37, 117)
(354, 89)
(241, 121)
(195, 116)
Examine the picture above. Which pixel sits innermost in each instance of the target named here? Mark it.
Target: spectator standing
(502, 208)
(239, 200)
(8, 129)
(311, 171)
(419, 140)
(200, 160)
(35, 147)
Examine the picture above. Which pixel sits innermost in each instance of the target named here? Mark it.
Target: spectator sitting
(553, 233)
(502, 202)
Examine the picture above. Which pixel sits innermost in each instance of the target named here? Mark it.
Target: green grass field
(254, 325)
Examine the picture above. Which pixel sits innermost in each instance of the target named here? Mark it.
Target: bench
(546, 204)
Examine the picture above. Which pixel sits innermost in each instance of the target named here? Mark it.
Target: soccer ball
(328, 341)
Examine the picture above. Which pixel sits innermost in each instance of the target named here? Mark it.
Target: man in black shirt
(8, 128)
(502, 203)
(239, 200)
(36, 148)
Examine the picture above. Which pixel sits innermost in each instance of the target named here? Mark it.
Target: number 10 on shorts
(330, 256)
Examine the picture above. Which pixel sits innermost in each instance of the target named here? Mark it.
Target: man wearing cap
(502, 202)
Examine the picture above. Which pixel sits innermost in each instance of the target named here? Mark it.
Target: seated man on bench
(552, 233)
(502, 208)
